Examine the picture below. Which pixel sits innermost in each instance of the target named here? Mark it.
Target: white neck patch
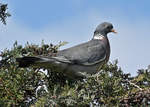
(99, 37)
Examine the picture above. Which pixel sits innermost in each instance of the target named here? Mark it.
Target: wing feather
(89, 53)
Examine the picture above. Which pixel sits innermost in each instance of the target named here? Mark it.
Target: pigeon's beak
(113, 30)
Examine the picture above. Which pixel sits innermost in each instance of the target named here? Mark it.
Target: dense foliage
(3, 13)
(31, 87)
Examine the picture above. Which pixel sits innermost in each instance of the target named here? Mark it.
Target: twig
(134, 85)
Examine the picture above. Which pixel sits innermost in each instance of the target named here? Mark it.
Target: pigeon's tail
(28, 61)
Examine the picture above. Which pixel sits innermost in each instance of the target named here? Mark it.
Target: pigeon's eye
(109, 27)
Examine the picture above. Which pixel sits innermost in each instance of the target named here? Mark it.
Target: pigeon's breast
(107, 47)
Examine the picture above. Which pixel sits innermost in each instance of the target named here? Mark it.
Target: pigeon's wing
(88, 53)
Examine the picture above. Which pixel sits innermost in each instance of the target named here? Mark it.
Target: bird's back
(86, 53)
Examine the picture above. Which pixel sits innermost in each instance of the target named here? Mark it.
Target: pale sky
(74, 21)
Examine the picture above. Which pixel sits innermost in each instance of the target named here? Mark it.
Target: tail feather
(27, 61)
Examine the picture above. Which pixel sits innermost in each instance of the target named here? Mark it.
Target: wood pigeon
(85, 58)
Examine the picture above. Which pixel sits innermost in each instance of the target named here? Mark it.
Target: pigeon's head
(104, 28)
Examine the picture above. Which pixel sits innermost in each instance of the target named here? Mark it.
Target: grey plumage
(75, 61)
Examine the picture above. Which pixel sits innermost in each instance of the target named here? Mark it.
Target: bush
(3, 13)
(31, 87)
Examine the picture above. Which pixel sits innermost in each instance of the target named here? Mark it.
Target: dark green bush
(31, 87)
(3, 13)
